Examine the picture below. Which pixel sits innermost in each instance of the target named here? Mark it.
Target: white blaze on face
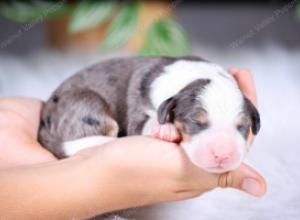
(181, 73)
(220, 147)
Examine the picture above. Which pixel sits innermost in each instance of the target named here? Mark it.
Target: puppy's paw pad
(167, 132)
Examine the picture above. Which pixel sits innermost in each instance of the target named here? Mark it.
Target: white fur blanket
(274, 154)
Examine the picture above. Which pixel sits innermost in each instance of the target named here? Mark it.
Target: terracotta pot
(58, 36)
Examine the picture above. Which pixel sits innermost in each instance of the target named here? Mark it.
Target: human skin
(124, 173)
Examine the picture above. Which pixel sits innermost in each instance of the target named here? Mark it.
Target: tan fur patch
(112, 127)
(202, 117)
(185, 137)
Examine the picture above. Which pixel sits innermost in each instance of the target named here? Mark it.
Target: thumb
(244, 178)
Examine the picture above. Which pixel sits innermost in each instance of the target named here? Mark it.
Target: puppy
(187, 100)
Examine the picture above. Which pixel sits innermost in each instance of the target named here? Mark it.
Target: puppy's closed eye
(196, 126)
(201, 125)
(90, 121)
(197, 123)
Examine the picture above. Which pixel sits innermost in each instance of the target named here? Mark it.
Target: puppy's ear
(254, 116)
(165, 110)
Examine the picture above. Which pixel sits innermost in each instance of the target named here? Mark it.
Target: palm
(19, 121)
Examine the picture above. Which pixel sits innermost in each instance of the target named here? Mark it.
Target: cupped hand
(19, 121)
(154, 171)
(156, 168)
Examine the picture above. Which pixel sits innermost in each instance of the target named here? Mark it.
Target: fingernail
(251, 186)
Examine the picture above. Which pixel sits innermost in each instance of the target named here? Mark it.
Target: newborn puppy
(187, 99)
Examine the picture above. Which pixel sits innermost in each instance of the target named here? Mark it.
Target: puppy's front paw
(167, 132)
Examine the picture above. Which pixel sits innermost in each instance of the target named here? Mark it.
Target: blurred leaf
(166, 38)
(27, 11)
(122, 26)
(90, 13)
(298, 12)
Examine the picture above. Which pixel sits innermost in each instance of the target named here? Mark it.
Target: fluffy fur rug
(274, 154)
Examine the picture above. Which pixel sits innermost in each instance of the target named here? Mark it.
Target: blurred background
(44, 42)
(27, 26)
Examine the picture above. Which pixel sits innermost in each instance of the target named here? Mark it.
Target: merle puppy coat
(187, 99)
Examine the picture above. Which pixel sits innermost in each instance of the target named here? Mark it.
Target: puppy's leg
(167, 132)
(75, 114)
(146, 123)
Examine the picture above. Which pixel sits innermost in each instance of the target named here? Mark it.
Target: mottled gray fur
(118, 88)
(111, 98)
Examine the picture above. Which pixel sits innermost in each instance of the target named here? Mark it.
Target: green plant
(164, 37)
(122, 26)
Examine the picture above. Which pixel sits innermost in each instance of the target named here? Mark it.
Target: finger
(245, 82)
(244, 178)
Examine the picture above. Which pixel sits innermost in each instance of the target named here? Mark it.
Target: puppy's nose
(222, 152)
(221, 158)
(216, 155)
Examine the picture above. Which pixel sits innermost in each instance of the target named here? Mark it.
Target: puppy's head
(215, 120)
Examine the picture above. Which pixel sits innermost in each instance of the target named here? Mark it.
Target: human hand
(19, 121)
(144, 171)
